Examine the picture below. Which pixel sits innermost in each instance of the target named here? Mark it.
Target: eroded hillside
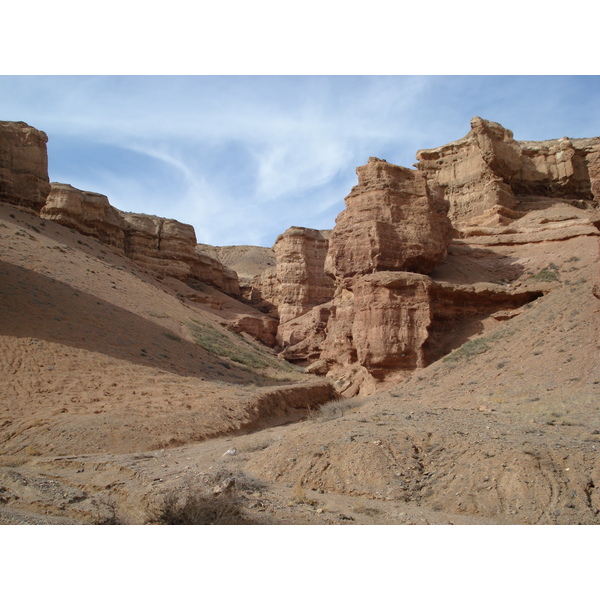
(453, 311)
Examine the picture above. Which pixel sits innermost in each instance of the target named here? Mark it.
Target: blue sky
(242, 158)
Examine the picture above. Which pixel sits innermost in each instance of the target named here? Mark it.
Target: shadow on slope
(36, 306)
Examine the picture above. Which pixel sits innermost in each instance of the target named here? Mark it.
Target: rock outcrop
(386, 291)
(296, 284)
(247, 261)
(165, 247)
(489, 178)
(24, 178)
(391, 223)
(86, 212)
(487, 190)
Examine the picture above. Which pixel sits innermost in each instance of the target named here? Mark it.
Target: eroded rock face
(391, 223)
(391, 321)
(162, 246)
(396, 322)
(248, 262)
(86, 212)
(23, 166)
(297, 283)
(487, 177)
(260, 327)
(302, 284)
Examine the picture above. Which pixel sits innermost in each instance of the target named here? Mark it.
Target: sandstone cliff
(418, 262)
(295, 285)
(23, 165)
(162, 246)
(391, 223)
(487, 190)
(487, 175)
(247, 261)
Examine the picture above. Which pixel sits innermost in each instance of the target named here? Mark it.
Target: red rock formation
(86, 212)
(394, 322)
(23, 166)
(302, 338)
(260, 327)
(297, 282)
(487, 175)
(248, 262)
(164, 247)
(302, 283)
(391, 223)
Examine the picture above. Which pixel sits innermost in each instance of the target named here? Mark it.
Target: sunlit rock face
(87, 212)
(387, 317)
(164, 247)
(24, 178)
(391, 223)
(488, 175)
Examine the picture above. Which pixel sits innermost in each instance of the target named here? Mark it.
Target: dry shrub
(338, 408)
(300, 497)
(198, 508)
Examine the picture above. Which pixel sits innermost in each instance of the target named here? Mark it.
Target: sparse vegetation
(549, 273)
(220, 344)
(366, 510)
(300, 497)
(171, 336)
(237, 350)
(470, 348)
(337, 409)
(199, 508)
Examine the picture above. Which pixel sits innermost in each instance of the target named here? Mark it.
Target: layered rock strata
(86, 212)
(387, 316)
(297, 283)
(162, 246)
(248, 262)
(487, 177)
(391, 223)
(24, 178)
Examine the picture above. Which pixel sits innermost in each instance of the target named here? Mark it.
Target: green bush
(549, 273)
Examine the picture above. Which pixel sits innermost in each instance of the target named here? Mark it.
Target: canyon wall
(387, 316)
(417, 258)
(164, 247)
(24, 178)
(247, 261)
(487, 177)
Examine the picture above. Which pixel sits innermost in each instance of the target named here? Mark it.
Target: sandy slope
(98, 356)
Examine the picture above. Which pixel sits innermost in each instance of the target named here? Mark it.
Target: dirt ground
(111, 405)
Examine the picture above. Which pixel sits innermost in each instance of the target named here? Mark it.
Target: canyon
(444, 328)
